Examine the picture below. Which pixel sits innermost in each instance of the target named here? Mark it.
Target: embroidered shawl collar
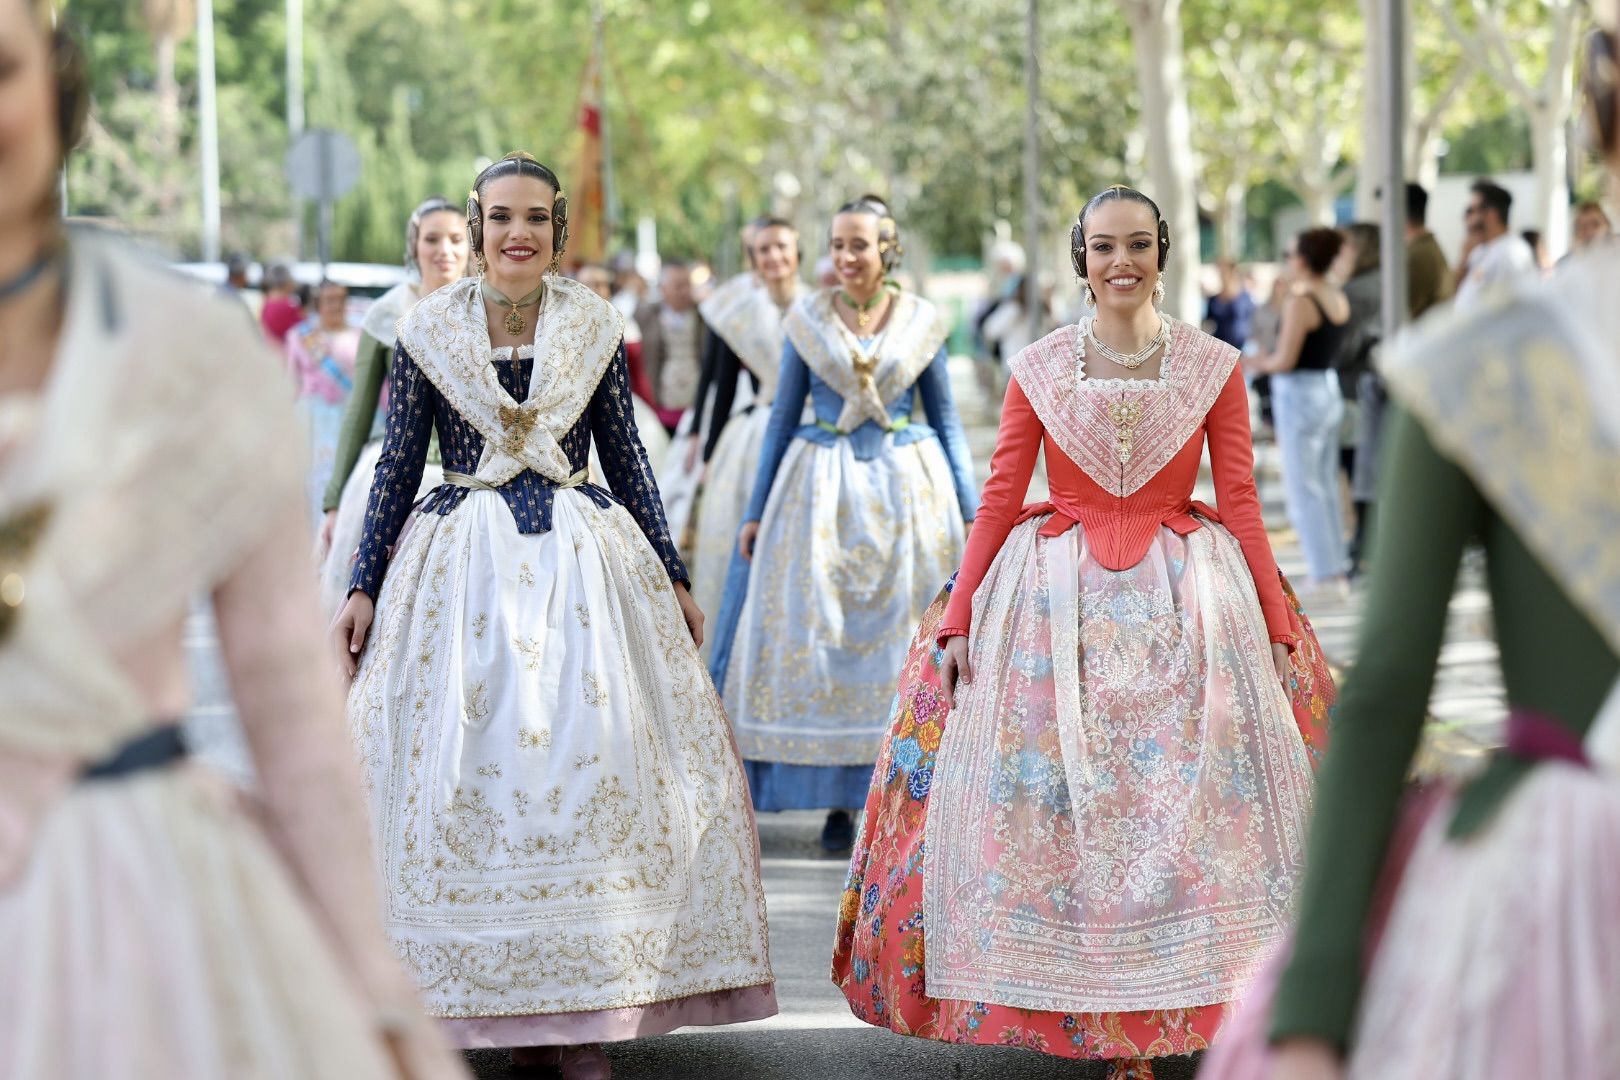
(1525, 397)
(910, 339)
(743, 315)
(447, 334)
(382, 317)
(1079, 413)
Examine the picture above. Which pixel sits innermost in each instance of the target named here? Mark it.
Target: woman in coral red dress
(1103, 839)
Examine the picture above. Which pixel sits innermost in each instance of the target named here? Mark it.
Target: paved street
(815, 1037)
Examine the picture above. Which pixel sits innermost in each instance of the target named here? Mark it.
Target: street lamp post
(1032, 171)
(295, 97)
(1392, 256)
(208, 130)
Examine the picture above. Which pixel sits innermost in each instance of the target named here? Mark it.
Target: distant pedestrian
(1493, 255)
(1308, 405)
(1358, 378)
(283, 309)
(1229, 313)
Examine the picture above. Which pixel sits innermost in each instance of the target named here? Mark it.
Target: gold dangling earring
(1158, 292)
(556, 262)
(1088, 298)
(483, 268)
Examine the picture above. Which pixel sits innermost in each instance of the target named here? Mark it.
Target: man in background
(672, 342)
(1428, 275)
(1493, 254)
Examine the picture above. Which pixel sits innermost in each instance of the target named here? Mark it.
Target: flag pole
(610, 206)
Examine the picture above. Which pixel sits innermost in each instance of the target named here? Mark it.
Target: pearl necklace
(1128, 361)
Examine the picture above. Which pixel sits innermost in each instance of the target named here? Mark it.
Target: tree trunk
(1318, 200)
(164, 46)
(1549, 156)
(1232, 219)
(1156, 40)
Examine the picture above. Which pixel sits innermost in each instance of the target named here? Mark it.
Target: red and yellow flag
(587, 203)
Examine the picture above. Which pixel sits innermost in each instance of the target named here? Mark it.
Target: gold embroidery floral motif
(519, 422)
(1126, 415)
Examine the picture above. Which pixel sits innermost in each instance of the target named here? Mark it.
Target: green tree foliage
(721, 109)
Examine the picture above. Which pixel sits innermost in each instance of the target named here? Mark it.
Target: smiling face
(854, 250)
(1122, 254)
(517, 227)
(30, 147)
(441, 248)
(776, 254)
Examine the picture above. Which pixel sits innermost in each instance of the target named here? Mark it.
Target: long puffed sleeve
(1018, 444)
(1231, 460)
(624, 461)
(399, 469)
(792, 386)
(358, 416)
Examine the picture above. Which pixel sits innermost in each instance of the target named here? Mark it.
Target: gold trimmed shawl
(1524, 395)
(447, 335)
(742, 314)
(382, 317)
(867, 380)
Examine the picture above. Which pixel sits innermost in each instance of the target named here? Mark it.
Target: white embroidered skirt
(349, 527)
(560, 814)
(155, 935)
(1119, 803)
(1500, 958)
(727, 486)
(850, 554)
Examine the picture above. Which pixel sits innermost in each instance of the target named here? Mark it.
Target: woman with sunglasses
(1470, 931)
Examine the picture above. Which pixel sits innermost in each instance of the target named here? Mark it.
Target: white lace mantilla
(1121, 432)
(743, 315)
(447, 335)
(382, 317)
(867, 379)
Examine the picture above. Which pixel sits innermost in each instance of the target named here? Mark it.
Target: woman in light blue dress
(854, 522)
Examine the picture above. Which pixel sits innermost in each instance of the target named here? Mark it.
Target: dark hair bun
(1318, 248)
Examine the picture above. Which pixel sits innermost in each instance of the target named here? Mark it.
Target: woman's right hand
(349, 629)
(955, 666)
(323, 546)
(746, 538)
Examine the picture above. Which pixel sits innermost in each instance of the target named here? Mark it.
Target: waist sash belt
(155, 749)
(894, 428)
(455, 479)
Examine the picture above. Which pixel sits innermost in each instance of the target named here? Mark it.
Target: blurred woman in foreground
(1470, 932)
(150, 927)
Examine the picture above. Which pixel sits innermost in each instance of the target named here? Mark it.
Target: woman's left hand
(1305, 1059)
(691, 612)
(1279, 658)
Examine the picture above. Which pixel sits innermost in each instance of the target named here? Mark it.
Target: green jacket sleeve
(1427, 512)
(370, 367)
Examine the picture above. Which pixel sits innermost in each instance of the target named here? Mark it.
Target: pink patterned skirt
(1490, 958)
(881, 954)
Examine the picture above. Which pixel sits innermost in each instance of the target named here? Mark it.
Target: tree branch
(1479, 53)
